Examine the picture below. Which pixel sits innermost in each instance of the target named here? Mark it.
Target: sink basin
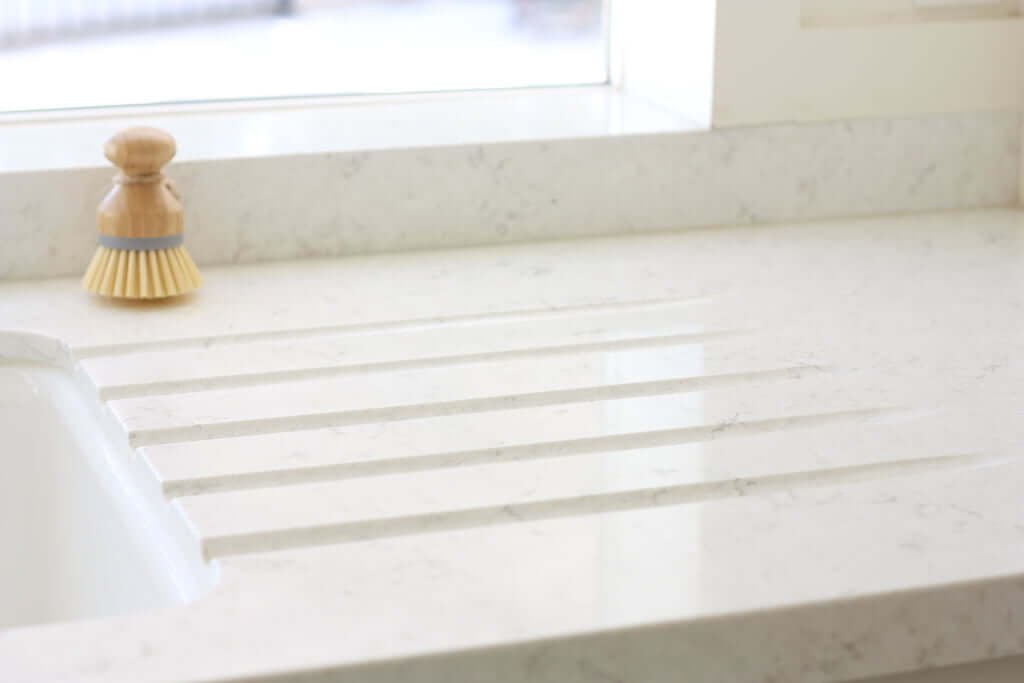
(81, 536)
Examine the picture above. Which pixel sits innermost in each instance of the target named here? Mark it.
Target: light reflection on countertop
(781, 453)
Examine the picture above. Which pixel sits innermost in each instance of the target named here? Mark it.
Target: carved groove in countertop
(451, 520)
(525, 315)
(116, 392)
(286, 527)
(199, 432)
(510, 453)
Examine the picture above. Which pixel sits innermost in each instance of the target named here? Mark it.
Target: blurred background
(86, 53)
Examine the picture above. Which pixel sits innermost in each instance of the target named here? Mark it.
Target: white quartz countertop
(764, 454)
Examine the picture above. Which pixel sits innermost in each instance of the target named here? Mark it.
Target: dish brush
(141, 253)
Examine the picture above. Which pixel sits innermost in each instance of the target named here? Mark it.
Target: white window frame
(675, 66)
(646, 94)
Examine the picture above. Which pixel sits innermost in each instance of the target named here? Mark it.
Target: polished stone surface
(787, 453)
(585, 164)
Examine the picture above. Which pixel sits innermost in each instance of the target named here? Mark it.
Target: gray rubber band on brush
(141, 243)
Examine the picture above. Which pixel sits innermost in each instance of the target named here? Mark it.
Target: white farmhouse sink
(79, 535)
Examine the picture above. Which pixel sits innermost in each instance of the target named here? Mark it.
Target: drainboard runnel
(506, 454)
(385, 326)
(281, 539)
(202, 432)
(143, 389)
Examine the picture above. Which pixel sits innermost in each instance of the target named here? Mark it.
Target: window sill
(319, 179)
(223, 131)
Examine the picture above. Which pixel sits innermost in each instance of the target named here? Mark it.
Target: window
(85, 53)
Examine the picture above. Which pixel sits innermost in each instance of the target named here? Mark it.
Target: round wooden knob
(141, 150)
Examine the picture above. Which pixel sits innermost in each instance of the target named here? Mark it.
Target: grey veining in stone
(250, 210)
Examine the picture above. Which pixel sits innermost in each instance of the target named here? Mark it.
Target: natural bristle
(141, 274)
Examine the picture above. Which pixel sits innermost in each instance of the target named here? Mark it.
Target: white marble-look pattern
(764, 454)
(333, 204)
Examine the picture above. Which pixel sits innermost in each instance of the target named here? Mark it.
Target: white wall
(819, 12)
(771, 67)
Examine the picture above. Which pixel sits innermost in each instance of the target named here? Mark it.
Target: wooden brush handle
(142, 202)
(140, 151)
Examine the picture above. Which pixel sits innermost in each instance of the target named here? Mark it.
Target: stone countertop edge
(884, 535)
(654, 178)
